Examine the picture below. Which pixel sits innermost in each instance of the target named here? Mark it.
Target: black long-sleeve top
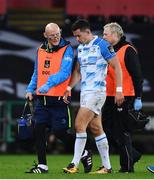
(132, 64)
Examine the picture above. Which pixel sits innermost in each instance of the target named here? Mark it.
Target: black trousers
(115, 124)
(41, 141)
(55, 117)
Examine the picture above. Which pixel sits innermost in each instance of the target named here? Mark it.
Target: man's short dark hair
(81, 24)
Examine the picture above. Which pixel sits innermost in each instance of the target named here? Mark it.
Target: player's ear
(45, 35)
(88, 31)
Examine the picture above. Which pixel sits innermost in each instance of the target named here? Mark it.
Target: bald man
(52, 71)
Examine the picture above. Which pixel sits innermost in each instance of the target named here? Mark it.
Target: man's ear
(88, 31)
(45, 35)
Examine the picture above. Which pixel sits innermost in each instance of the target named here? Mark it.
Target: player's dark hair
(81, 24)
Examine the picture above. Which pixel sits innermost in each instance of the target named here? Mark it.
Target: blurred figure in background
(114, 117)
(94, 55)
(52, 72)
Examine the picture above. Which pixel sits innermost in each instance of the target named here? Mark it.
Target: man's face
(53, 36)
(81, 36)
(108, 35)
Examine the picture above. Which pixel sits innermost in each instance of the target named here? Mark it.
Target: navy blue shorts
(53, 112)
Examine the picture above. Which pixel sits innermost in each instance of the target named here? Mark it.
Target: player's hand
(43, 89)
(65, 97)
(29, 96)
(119, 98)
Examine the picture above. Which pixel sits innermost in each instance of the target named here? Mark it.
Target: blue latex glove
(137, 104)
(44, 89)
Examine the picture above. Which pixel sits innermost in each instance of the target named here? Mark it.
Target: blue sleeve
(65, 70)
(107, 50)
(33, 83)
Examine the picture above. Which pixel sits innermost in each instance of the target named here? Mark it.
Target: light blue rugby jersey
(93, 59)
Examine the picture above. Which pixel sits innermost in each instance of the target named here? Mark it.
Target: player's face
(81, 36)
(108, 35)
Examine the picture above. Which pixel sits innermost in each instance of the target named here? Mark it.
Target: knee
(96, 130)
(80, 128)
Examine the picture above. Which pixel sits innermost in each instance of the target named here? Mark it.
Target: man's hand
(119, 98)
(29, 96)
(137, 104)
(43, 89)
(65, 97)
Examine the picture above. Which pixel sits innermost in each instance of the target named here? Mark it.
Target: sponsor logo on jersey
(93, 49)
